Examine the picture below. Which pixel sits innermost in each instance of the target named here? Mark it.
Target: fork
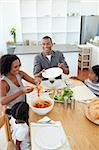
(45, 122)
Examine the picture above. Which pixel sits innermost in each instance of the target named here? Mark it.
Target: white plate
(52, 72)
(50, 137)
(82, 93)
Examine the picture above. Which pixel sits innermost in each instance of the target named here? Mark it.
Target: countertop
(65, 48)
(94, 44)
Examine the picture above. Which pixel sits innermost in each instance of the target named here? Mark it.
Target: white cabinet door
(72, 61)
(95, 54)
(27, 62)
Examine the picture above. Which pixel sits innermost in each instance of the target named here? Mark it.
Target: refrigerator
(89, 28)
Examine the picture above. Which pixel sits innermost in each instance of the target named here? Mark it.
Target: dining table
(82, 134)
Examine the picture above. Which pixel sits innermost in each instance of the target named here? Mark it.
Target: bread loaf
(93, 110)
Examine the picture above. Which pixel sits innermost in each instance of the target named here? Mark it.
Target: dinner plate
(58, 101)
(50, 137)
(89, 118)
(52, 72)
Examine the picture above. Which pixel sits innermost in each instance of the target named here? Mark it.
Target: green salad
(64, 92)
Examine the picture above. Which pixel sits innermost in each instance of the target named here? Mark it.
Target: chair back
(6, 142)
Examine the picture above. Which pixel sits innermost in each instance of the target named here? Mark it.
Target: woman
(12, 89)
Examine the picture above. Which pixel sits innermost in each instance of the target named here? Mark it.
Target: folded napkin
(46, 122)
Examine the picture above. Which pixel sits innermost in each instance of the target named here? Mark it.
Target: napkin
(83, 94)
(35, 126)
(46, 121)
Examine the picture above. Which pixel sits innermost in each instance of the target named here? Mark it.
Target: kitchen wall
(9, 17)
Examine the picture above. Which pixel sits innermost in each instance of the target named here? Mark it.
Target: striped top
(94, 87)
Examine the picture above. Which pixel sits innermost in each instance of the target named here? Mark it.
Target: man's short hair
(47, 37)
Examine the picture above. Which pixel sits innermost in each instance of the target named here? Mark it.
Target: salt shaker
(72, 104)
(65, 102)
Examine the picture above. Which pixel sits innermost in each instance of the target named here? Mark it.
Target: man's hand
(61, 65)
(37, 80)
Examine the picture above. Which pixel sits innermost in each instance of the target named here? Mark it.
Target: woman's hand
(37, 81)
(1, 109)
(39, 74)
(27, 89)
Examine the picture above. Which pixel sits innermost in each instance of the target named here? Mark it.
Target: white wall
(9, 17)
(2, 34)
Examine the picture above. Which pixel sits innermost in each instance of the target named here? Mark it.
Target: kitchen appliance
(89, 28)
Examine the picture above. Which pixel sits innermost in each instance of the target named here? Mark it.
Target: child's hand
(76, 78)
(27, 89)
(1, 109)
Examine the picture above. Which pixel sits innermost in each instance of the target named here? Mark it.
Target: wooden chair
(6, 142)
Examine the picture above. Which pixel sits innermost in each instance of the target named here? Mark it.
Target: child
(93, 81)
(19, 124)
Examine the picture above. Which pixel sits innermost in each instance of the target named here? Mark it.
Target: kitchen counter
(65, 48)
(11, 47)
(94, 44)
(95, 53)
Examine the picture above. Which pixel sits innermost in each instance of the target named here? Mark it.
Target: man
(49, 58)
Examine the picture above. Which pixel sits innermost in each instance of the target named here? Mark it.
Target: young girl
(19, 124)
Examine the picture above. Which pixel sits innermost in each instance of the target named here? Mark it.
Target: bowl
(46, 100)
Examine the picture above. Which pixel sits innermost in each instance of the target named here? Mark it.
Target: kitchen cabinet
(59, 19)
(95, 53)
(84, 59)
(72, 61)
(50, 17)
(73, 21)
